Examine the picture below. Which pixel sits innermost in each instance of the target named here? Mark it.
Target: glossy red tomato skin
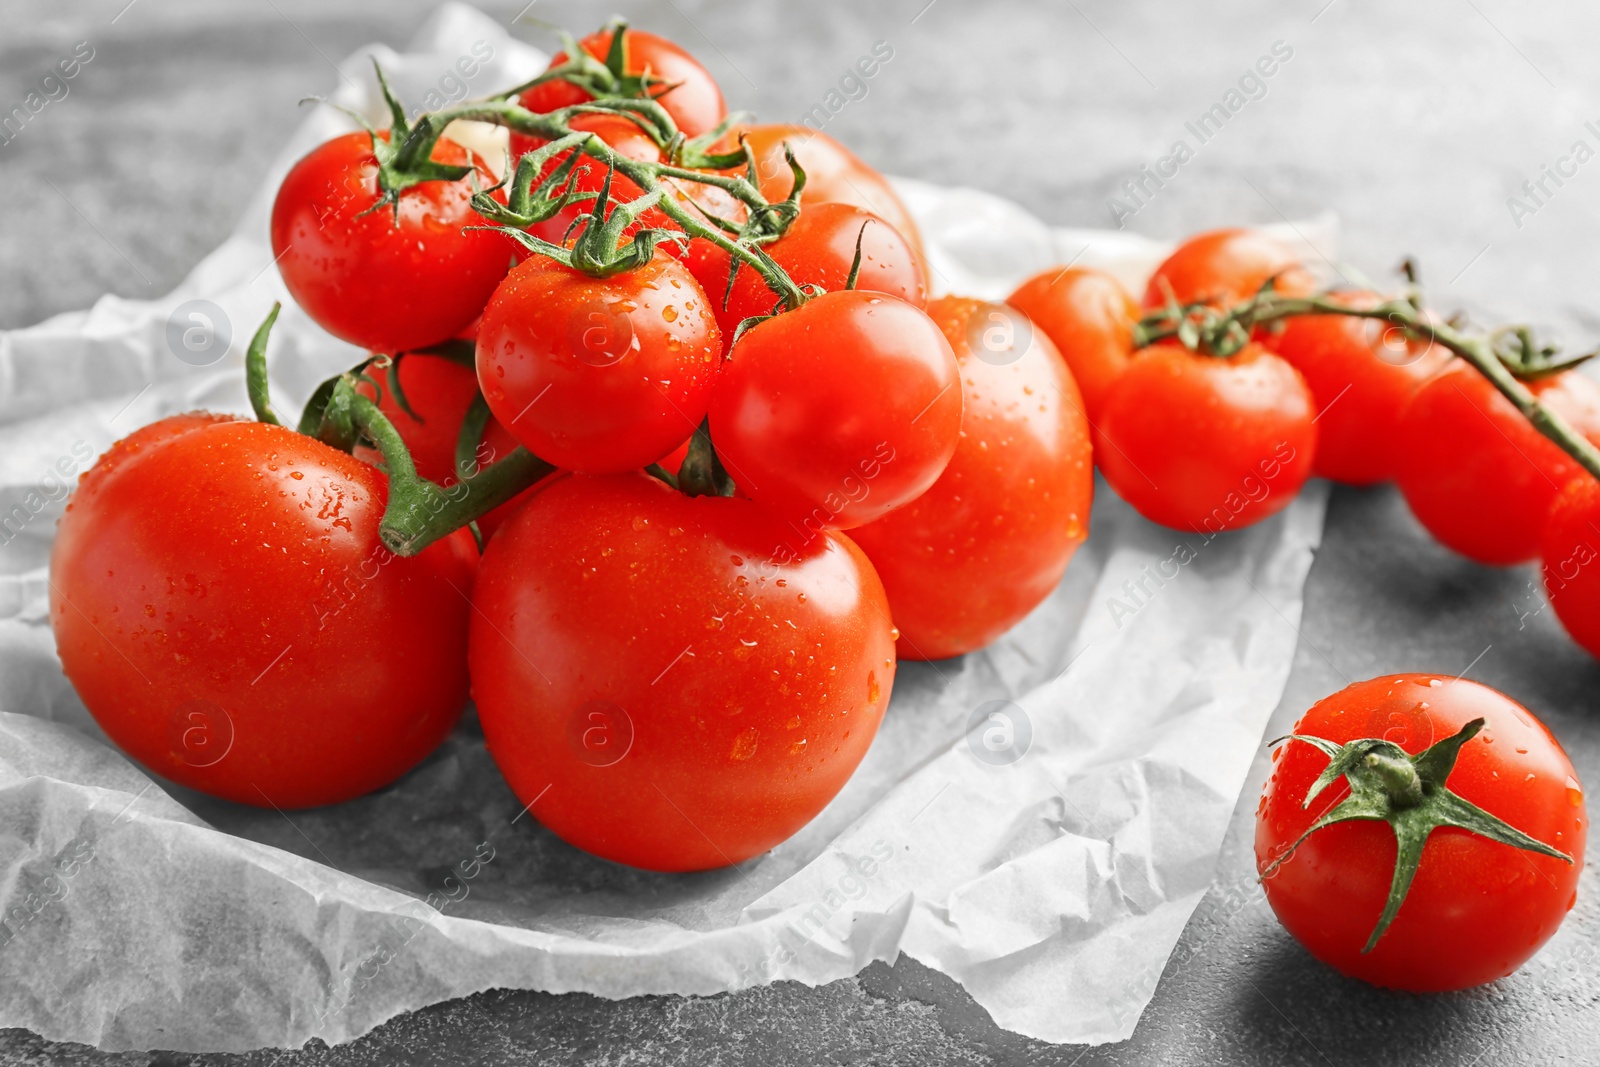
(1476, 473)
(694, 101)
(840, 411)
(968, 559)
(1363, 374)
(1089, 317)
(236, 567)
(1569, 551)
(440, 391)
(818, 250)
(1227, 267)
(1477, 909)
(741, 673)
(365, 280)
(1204, 444)
(834, 174)
(599, 375)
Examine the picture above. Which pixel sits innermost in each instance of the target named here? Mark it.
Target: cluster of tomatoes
(665, 455)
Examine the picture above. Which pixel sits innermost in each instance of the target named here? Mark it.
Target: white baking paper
(1053, 885)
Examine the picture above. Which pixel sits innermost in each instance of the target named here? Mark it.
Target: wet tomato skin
(672, 683)
(381, 284)
(968, 559)
(226, 611)
(1089, 317)
(1477, 909)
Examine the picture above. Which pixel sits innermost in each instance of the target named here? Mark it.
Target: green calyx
(405, 157)
(606, 79)
(1389, 785)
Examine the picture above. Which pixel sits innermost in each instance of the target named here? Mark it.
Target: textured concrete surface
(1415, 123)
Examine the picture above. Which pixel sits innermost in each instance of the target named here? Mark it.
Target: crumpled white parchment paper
(1053, 887)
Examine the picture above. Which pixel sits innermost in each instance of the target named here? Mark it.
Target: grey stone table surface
(1416, 123)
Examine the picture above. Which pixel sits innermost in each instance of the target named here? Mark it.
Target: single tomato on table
(838, 412)
(383, 281)
(1089, 317)
(966, 560)
(1421, 833)
(224, 607)
(674, 683)
(1205, 443)
(1476, 472)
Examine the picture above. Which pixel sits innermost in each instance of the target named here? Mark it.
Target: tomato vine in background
(1479, 861)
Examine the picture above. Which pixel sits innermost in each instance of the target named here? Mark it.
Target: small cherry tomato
(684, 88)
(1477, 908)
(818, 249)
(840, 411)
(1476, 473)
(1205, 444)
(1571, 546)
(439, 391)
(673, 683)
(225, 609)
(383, 284)
(1363, 373)
(1227, 267)
(599, 374)
(1090, 318)
(965, 561)
(834, 175)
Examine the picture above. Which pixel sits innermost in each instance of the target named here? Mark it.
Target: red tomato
(628, 140)
(686, 90)
(1205, 444)
(1477, 909)
(1474, 470)
(1090, 318)
(1227, 267)
(383, 286)
(1363, 373)
(833, 174)
(674, 683)
(965, 561)
(440, 391)
(818, 249)
(1569, 550)
(840, 411)
(226, 611)
(627, 362)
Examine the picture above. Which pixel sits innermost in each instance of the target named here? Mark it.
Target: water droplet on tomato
(1574, 792)
(744, 746)
(297, 475)
(669, 313)
(798, 747)
(872, 687)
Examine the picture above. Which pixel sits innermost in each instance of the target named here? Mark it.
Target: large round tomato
(1477, 909)
(1570, 551)
(439, 391)
(818, 249)
(1475, 471)
(599, 374)
(384, 284)
(1227, 267)
(1363, 373)
(1205, 444)
(674, 683)
(834, 175)
(1090, 317)
(226, 611)
(684, 88)
(966, 560)
(840, 411)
